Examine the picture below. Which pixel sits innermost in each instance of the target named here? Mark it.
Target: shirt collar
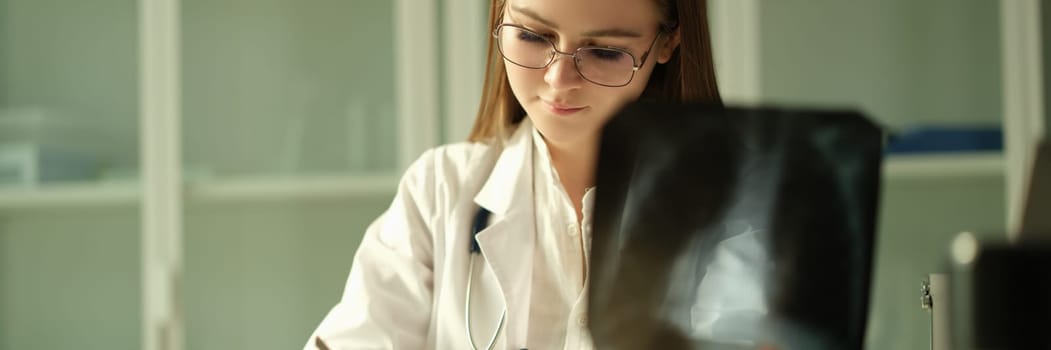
(543, 159)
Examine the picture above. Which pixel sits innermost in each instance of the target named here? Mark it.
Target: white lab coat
(406, 289)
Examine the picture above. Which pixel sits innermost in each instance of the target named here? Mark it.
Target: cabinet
(239, 149)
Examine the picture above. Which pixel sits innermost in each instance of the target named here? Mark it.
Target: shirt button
(571, 229)
(582, 321)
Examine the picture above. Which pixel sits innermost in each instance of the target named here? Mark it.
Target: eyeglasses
(604, 66)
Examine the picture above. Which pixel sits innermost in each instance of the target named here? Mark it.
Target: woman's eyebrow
(611, 32)
(536, 17)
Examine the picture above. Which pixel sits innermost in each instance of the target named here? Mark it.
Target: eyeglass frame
(635, 66)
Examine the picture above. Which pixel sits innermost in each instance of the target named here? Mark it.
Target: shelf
(288, 188)
(942, 166)
(225, 190)
(72, 194)
(897, 167)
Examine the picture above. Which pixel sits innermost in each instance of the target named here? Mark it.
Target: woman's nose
(562, 73)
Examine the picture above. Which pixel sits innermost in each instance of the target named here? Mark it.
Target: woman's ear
(666, 49)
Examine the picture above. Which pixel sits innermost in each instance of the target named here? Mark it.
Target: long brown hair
(689, 76)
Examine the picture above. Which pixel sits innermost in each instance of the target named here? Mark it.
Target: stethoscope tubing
(467, 311)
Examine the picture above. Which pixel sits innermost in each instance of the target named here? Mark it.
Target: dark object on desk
(1012, 294)
(999, 295)
(730, 228)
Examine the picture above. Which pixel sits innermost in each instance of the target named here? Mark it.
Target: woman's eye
(608, 55)
(530, 37)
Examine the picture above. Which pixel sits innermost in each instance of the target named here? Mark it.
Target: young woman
(486, 243)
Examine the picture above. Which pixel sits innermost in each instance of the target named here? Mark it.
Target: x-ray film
(727, 228)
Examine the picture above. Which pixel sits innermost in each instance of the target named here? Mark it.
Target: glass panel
(70, 279)
(263, 275)
(69, 242)
(904, 62)
(288, 87)
(907, 64)
(68, 91)
(288, 106)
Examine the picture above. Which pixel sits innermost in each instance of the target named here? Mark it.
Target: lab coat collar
(511, 177)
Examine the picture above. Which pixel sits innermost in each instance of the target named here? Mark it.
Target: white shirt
(558, 307)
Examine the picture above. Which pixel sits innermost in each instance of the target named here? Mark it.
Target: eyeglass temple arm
(647, 53)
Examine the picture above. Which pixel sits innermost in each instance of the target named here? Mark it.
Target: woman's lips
(561, 109)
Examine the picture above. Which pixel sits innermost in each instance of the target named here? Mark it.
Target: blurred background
(217, 161)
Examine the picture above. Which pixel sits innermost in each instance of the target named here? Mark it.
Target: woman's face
(566, 108)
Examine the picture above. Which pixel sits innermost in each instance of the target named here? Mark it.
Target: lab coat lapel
(508, 242)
